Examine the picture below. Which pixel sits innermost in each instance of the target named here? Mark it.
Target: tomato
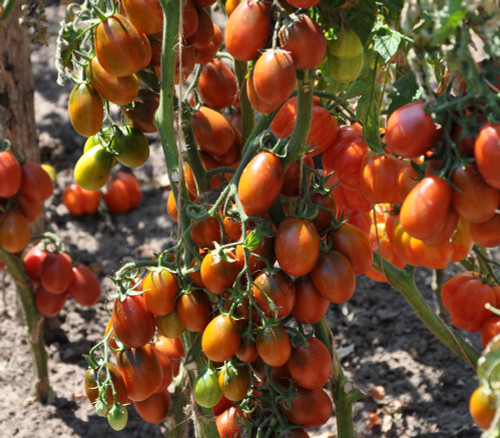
(482, 406)
(260, 182)
(411, 131)
(247, 351)
(33, 260)
(141, 371)
(206, 391)
(219, 273)
(172, 348)
(464, 297)
(292, 183)
(310, 306)
(257, 257)
(277, 287)
(155, 408)
(232, 228)
(296, 433)
(473, 198)
(120, 91)
(131, 145)
(170, 325)
(333, 277)
(407, 179)
(56, 272)
(402, 244)
(445, 235)
(310, 408)
(120, 47)
(194, 310)
(141, 115)
(346, 46)
(118, 417)
(84, 287)
(93, 168)
(10, 174)
(145, 15)
(234, 381)
(273, 345)
(217, 85)
(432, 257)
(36, 183)
(91, 385)
(487, 234)
(345, 136)
(123, 193)
(305, 41)
(489, 329)
(303, 4)
(160, 290)
(79, 201)
(345, 70)
(205, 232)
(350, 241)
(248, 29)
(230, 423)
(379, 177)
(189, 19)
(221, 338)
(212, 131)
(424, 210)
(487, 153)
(85, 109)
(15, 232)
(31, 209)
(310, 365)
(133, 323)
(133, 187)
(204, 32)
(348, 163)
(258, 104)
(205, 54)
(461, 241)
(49, 304)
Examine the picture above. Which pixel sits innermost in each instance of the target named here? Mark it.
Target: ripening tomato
(33, 260)
(327, 210)
(131, 145)
(432, 257)
(206, 53)
(133, 323)
(57, 272)
(217, 85)
(206, 390)
(303, 4)
(310, 306)
(257, 257)
(123, 193)
(145, 106)
(248, 29)
(204, 32)
(310, 408)
(49, 304)
(411, 131)
(205, 232)
(141, 371)
(445, 235)
(31, 209)
(221, 338)
(482, 406)
(160, 290)
(260, 182)
(486, 234)
(10, 174)
(277, 287)
(189, 19)
(461, 241)
(79, 201)
(234, 381)
(194, 310)
(294, 174)
(212, 131)
(155, 408)
(170, 325)
(92, 376)
(273, 345)
(258, 104)
(84, 287)
(85, 109)
(172, 348)
(145, 15)
(345, 70)
(230, 424)
(93, 168)
(218, 272)
(487, 153)
(36, 183)
(247, 351)
(15, 232)
(348, 163)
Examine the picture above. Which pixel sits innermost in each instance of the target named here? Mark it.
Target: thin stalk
(247, 113)
(438, 279)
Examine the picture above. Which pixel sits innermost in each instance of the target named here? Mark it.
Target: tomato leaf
(405, 90)
(386, 41)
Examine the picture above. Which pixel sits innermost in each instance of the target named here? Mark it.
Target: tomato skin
(333, 277)
(445, 235)
(423, 212)
(461, 242)
(234, 382)
(132, 147)
(85, 109)
(10, 174)
(36, 183)
(170, 325)
(145, 105)
(221, 338)
(482, 407)
(206, 232)
(33, 260)
(118, 417)
(411, 131)
(327, 210)
(279, 288)
(172, 348)
(133, 187)
(487, 153)
(273, 345)
(217, 85)
(93, 168)
(84, 287)
(379, 177)
(204, 32)
(296, 246)
(49, 304)
(141, 371)
(123, 193)
(57, 272)
(345, 70)
(206, 391)
(490, 329)
(217, 273)
(133, 323)
(194, 310)
(205, 54)
(155, 408)
(145, 15)
(31, 209)
(230, 423)
(14, 231)
(247, 351)
(486, 234)
(348, 163)
(79, 201)
(189, 19)
(311, 408)
(160, 290)
(260, 182)
(432, 257)
(258, 256)
(310, 306)
(248, 29)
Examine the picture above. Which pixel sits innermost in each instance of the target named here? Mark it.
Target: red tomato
(310, 306)
(303, 4)
(257, 257)
(461, 242)
(10, 174)
(247, 351)
(277, 287)
(221, 338)
(79, 201)
(205, 54)
(172, 348)
(155, 408)
(311, 408)
(205, 232)
(258, 104)
(486, 234)
(189, 19)
(273, 345)
(217, 85)
(133, 323)
(432, 257)
(445, 235)
(348, 163)
(212, 131)
(33, 260)
(345, 136)
(217, 273)
(84, 287)
(490, 329)
(379, 177)
(145, 15)
(49, 304)
(327, 210)
(194, 310)
(14, 231)
(230, 423)
(31, 209)
(411, 131)
(36, 183)
(160, 290)
(204, 32)
(57, 272)
(85, 109)
(487, 153)
(123, 193)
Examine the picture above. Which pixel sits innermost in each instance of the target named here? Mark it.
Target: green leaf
(448, 19)
(406, 90)
(386, 41)
(252, 240)
(361, 18)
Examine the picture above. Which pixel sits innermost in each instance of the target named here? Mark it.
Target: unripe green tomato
(92, 141)
(345, 70)
(347, 46)
(101, 408)
(206, 389)
(132, 147)
(118, 417)
(93, 168)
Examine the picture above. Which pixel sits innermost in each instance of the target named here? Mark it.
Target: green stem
(177, 428)
(33, 321)
(404, 282)
(438, 279)
(247, 113)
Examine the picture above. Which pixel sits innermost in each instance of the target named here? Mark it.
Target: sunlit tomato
(379, 177)
(84, 287)
(464, 296)
(91, 381)
(382, 245)
(310, 408)
(170, 325)
(260, 182)
(258, 104)
(10, 174)
(232, 227)
(204, 32)
(79, 201)
(221, 338)
(402, 244)
(49, 304)
(348, 163)
(473, 199)
(172, 206)
(133, 323)
(209, 163)
(85, 109)
(120, 91)
(206, 390)
(33, 260)
(93, 168)
(411, 131)
(230, 6)
(194, 310)
(167, 371)
(141, 371)
(247, 351)
(205, 232)
(131, 145)
(445, 235)
(333, 277)
(36, 184)
(277, 287)
(296, 246)
(482, 406)
(487, 234)
(362, 220)
(490, 329)
(56, 272)
(346, 135)
(310, 306)
(120, 47)
(155, 408)
(233, 155)
(407, 179)
(14, 231)
(432, 257)
(305, 41)
(345, 70)
(123, 193)
(212, 131)
(487, 153)
(206, 53)
(273, 345)
(160, 290)
(195, 275)
(141, 115)
(117, 417)
(234, 381)
(218, 273)
(461, 241)
(248, 29)
(217, 85)
(230, 424)
(424, 210)
(145, 15)
(172, 348)
(189, 19)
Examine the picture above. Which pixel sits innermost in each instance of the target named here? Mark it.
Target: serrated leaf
(386, 43)
(252, 240)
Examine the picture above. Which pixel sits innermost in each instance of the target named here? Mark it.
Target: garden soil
(415, 387)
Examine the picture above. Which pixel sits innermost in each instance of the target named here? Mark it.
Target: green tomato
(118, 416)
(132, 147)
(345, 70)
(206, 389)
(347, 46)
(93, 168)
